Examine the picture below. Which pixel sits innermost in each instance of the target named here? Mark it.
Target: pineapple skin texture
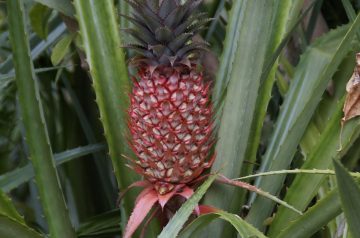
(170, 121)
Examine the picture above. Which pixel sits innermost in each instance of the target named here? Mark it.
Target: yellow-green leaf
(8, 209)
(39, 20)
(61, 49)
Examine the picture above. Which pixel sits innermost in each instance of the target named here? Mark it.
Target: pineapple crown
(164, 30)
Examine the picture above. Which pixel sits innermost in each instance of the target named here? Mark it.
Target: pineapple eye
(156, 131)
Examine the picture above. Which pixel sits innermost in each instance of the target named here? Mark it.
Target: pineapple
(170, 116)
(170, 113)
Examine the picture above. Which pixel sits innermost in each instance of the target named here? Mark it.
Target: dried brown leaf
(352, 103)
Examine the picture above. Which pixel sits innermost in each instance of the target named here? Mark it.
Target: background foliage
(280, 69)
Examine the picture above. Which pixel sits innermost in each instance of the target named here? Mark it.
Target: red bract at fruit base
(171, 115)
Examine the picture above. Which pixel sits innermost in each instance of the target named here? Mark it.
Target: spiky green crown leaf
(164, 30)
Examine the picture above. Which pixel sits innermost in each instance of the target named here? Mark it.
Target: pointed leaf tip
(204, 209)
(145, 202)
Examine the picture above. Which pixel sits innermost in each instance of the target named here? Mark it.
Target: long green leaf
(285, 12)
(8, 209)
(228, 55)
(247, 38)
(349, 192)
(68, 155)
(101, 40)
(174, 226)
(243, 228)
(13, 179)
(9, 213)
(11, 229)
(102, 43)
(328, 108)
(37, 71)
(350, 12)
(299, 106)
(314, 219)
(36, 134)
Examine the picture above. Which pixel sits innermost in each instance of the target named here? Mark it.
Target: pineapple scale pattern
(170, 124)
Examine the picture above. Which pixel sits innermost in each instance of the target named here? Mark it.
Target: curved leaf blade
(12, 219)
(108, 69)
(10, 229)
(8, 209)
(240, 79)
(314, 219)
(22, 175)
(243, 228)
(37, 138)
